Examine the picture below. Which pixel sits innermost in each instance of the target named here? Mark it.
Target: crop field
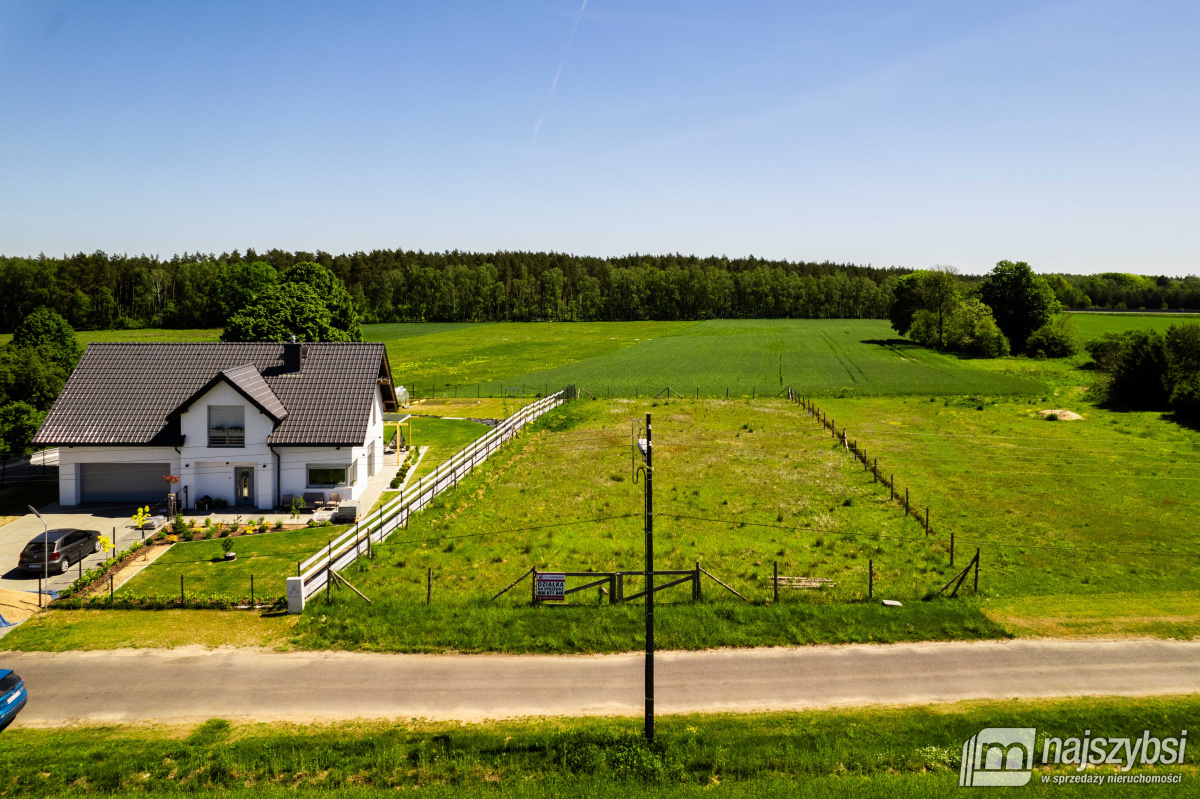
(743, 357)
(859, 357)
(1094, 325)
(740, 487)
(270, 557)
(496, 354)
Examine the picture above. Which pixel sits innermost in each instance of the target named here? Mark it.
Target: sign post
(550, 587)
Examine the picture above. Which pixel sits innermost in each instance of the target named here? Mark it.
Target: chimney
(293, 356)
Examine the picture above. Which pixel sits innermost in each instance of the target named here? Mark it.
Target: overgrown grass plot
(1106, 504)
(736, 490)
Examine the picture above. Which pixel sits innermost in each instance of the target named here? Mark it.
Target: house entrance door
(243, 485)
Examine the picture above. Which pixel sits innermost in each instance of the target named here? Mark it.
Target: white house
(240, 422)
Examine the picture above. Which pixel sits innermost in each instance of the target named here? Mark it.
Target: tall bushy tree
(1021, 302)
(332, 293)
(45, 330)
(929, 297)
(292, 309)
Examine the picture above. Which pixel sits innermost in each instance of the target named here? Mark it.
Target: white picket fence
(378, 525)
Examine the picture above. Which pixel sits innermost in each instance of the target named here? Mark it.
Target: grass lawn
(444, 437)
(470, 408)
(270, 557)
(730, 460)
(82, 630)
(1160, 614)
(885, 752)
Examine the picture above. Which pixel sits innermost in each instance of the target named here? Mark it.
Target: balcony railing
(226, 436)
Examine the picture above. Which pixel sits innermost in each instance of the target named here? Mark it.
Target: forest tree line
(101, 291)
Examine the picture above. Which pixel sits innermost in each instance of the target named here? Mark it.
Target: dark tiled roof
(247, 381)
(126, 393)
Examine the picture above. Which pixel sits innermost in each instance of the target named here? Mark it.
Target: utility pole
(645, 447)
(650, 584)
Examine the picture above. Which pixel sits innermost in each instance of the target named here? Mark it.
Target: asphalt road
(192, 683)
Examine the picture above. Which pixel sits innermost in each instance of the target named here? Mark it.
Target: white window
(226, 426)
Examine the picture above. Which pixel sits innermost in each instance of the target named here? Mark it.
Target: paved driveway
(19, 532)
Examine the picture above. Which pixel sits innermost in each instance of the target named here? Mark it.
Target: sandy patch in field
(17, 606)
(1063, 415)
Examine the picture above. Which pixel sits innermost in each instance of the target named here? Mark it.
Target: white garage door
(123, 482)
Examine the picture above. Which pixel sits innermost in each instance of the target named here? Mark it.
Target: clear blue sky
(891, 132)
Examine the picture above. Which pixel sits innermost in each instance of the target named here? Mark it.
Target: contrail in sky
(537, 126)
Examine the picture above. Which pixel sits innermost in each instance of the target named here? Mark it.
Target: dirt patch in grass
(17, 606)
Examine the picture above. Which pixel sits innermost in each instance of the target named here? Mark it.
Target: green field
(779, 498)
(1094, 325)
(860, 357)
(1101, 506)
(882, 752)
(270, 557)
(743, 357)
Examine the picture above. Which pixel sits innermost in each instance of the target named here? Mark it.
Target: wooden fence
(314, 573)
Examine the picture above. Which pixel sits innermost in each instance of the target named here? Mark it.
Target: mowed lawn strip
(906, 752)
(762, 357)
(270, 557)
(725, 460)
(443, 437)
(84, 630)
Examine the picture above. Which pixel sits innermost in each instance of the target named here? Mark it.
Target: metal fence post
(870, 579)
(428, 584)
(977, 570)
(775, 580)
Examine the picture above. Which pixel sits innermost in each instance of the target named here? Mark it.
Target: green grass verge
(912, 751)
(83, 630)
(270, 557)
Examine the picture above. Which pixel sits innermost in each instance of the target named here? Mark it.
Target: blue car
(12, 697)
